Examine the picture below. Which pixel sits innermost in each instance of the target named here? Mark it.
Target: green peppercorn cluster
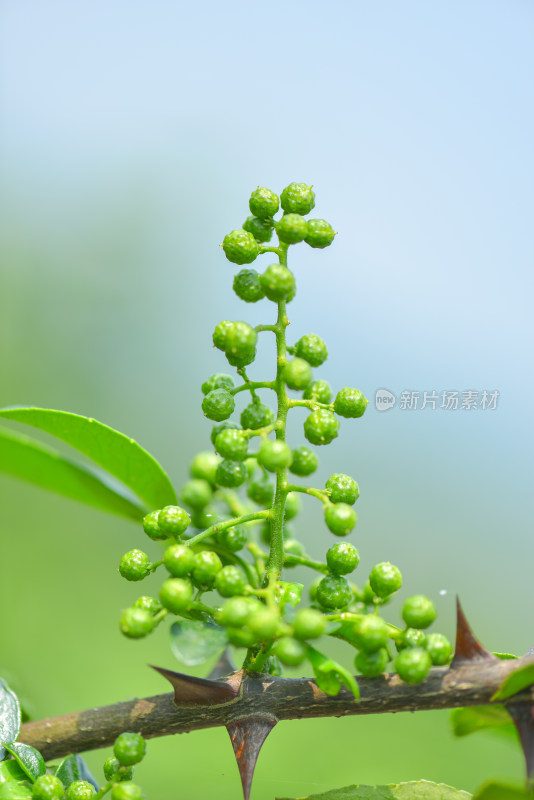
(128, 750)
(229, 543)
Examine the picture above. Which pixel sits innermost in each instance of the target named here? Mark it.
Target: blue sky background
(132, 135)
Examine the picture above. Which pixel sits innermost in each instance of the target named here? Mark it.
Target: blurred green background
(132, 136)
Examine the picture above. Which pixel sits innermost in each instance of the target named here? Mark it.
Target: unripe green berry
(297, 198)
(413, 664)
(232, 444)
(236, 612)
(320, 391)
(201, 520)
(371, 665)
(114, 769)
(293, 547)
(342, 488)
(196, 494)
(179, 560)
(217, 381)
(262, 230)
(234, 539)
(229, 581)
(204, 466)
(263, 203)
(240, 247)
(240, 340)
(290, 651)
(80, 790)
(304, 463)
(126, 791)
(342, 558)
(297, 374)
(291, 229)
(218, 405)
(350, 403)
(151, 527)
(136, 623)
(308, 624)
(261, 491)
(147, 603)
(173, 520)
(222, 426)
(247, 286)
(231, 474)
(319, 233)
(263, 624)
(340, 518)
(256, 415)
(274, 454)
(371, 633)
(312, 349)
(418, 611)
(278, 283)
(321, 427)
(411, 637)
(48, 787)
(135, 565)
(207, 565)
(176, 594)
(439, 649)
(385, 579)
(240, 637)
(333, 592)
(220, 333)
(292, 507)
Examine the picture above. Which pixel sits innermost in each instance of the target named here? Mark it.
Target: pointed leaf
(9, 717)
(194, 642)
(13, 790)
(74, 768)
(119, 455)
(29, 759)
(504, 656)
(10, 771)
(515, 682)
(500, 791)
(494, 719)
(39, 464)
(329, 675)
(413, 790)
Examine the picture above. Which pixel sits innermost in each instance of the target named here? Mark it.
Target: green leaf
(29, 759)
(13, 790)
(515, 682)
(504, 656)
(413, 790)
(494, 719)
(329, 675)
(10, 771)
(9, 717)
(194, 642)
(39, 464)
(500, 791)
(74, 768)
(119, 455)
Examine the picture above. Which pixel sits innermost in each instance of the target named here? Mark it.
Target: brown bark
(469, 683)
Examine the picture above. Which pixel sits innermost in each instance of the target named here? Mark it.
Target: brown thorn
(197, 691)
(523, 716)
(468, 648)
(247, 736)
(224, 666)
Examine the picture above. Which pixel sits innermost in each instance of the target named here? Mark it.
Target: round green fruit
(207, 565)
(176, 594)
(222, 426)
(231, 474)
(217, 381)
(342, 558)
(297, 198)
(411, 637)
(147, 603)
(126, 791)
(255, 416)
(291, 229)
(204, 466)
(418, 611)
(129, 749)
(247, 286)
(297, 374)
(114, 770)
(220, 333)
(47, 787)
(319, 233)
(385, 578)
(413, 664)
(278, 283)
(80, 790)
(342, 489)
(179, 560)
(135, 623)
(274, 455)
(350, 403)
(151, 527)
(333, 592)
(340, 518)
(234, 539)
(304, 463)
(439, 649)
(290, 651)
(261, 491)
(240, 247)
(173, 520)
(263, 624)
(292, 506)
(218, 405)
(312, 349)
(237, 611)
(308, 624)
(319, 391)
(371, 633)
(135, 565)
(263, 203)
(371, 665)
(321, 427)
(261, 230)
(196, 494)
(229, 581)
(232, 444)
